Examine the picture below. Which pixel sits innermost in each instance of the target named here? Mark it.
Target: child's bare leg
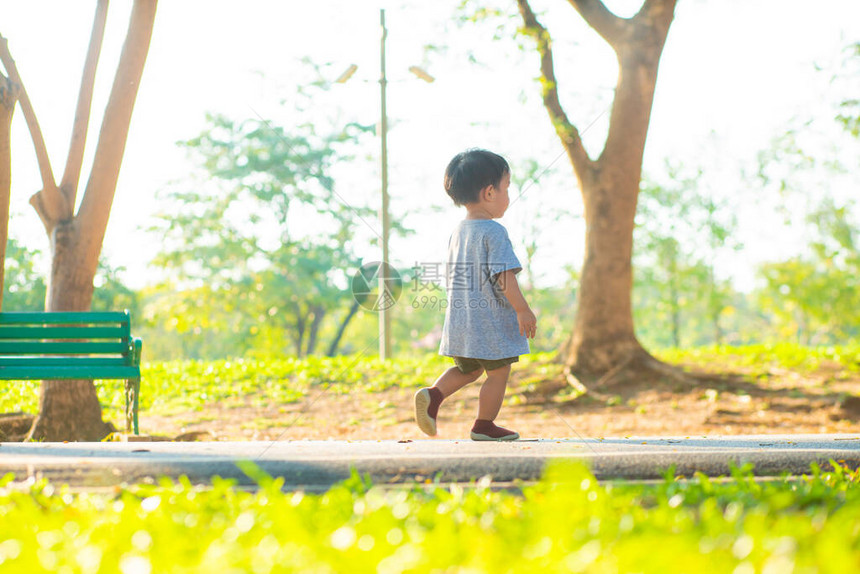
(493, 393)
(453, 380)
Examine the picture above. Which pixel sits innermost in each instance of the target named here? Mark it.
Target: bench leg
(132, 395)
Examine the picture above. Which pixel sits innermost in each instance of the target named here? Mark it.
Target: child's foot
(487, 430)
(427, 401)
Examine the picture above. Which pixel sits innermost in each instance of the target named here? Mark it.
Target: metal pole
(384, 312)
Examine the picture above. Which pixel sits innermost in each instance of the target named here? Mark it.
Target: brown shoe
(487, 430)
(427, 401)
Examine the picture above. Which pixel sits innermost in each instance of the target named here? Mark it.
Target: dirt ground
(715, 404)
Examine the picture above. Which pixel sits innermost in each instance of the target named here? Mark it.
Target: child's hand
(527, 322)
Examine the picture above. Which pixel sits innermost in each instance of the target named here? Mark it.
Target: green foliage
(232, 244)
(176, 386)
(24, 288)
(111, 294)
(555, 309)
(568, 522)
(816, 299)
(763, 357)
(849, 109)
(680, 229)
(266, 177)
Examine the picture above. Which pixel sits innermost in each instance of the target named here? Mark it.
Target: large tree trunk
(69, 408)
(603, 339)
(70, 284)
(603, 333)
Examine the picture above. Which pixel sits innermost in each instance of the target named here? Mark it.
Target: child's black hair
(471, 171)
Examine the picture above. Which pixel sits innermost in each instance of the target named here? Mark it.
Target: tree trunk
(57, 399)
(676, 303)
(715, 307)
(603, 335)
(718, 329)
(676, 326)
(70, 284)
(318, 314)
(69, 408)
(332, 350)
(298, 334)
(8, 98)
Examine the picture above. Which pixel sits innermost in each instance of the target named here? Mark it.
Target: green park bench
(81, 345)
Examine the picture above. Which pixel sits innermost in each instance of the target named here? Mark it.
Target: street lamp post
(383, 306)
(384, 309)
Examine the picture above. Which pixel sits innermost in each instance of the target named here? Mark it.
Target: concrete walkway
(316, 465)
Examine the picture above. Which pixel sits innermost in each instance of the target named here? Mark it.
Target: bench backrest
(33, 345)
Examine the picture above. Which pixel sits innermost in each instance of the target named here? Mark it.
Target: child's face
(498, 199)
(492, 202)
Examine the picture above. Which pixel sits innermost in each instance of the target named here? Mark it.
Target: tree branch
(638, 62)
(610, 27)
(49, 203)
(657, 12)
(72, 172)
(101, 186)
(566, 130)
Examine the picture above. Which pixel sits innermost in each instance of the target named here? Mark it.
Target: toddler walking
(487, 320)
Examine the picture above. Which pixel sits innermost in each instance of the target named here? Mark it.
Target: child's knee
(476, 373)
(503, 371)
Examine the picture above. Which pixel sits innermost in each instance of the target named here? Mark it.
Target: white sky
(733, 73)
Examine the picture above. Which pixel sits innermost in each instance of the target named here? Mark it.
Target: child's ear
(487, 193)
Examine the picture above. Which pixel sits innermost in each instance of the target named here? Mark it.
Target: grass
(179, 386)
(568, 522)
(788, 356)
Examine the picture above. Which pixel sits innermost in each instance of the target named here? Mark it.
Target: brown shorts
(467, 365)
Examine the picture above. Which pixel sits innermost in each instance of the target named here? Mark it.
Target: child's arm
(528, 322)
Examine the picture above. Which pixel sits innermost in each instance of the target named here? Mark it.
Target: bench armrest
(136, 353)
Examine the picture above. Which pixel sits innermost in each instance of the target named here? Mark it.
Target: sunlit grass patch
(174, 387)
(761, 358)
(567, 522)
(177, 386)
(19, 396)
